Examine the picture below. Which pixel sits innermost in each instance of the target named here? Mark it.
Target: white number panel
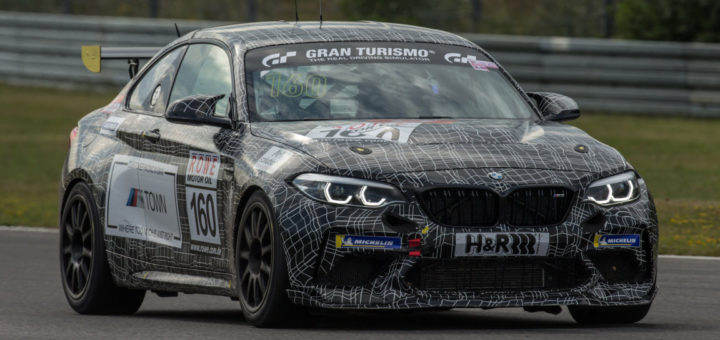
(202, 215)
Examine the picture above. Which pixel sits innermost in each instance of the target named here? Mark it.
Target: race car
(348, 165)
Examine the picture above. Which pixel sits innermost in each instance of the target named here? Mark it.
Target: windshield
(378, 81)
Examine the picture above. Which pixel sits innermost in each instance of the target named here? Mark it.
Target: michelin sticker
(110, 126)
(200, 202)
(374, 242)
(390, 131)
(627, 240)
(273, 159)
(141, 201)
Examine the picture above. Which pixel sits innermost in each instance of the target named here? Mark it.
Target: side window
(152, 91)
(205, 70)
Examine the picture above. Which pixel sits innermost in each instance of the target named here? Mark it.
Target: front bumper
(324, 275)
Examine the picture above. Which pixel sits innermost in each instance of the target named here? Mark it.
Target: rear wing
(92, 56)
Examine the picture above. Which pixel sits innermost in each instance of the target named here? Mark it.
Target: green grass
(678, 157)
(35, 126)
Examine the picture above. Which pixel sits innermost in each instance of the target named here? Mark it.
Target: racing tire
(262, 278)
(590, 315)
(86, 279)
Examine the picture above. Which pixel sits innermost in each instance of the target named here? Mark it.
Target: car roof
(243, 37)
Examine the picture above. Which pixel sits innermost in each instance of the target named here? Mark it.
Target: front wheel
(262, 273)
(609, 314)
(86, 279)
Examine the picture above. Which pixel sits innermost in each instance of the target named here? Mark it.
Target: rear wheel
(86, 278)
(609, 314)
(262, 273)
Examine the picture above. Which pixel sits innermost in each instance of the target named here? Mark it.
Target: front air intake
(498, 274)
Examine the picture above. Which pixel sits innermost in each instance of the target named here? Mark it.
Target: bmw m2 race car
(350, 166)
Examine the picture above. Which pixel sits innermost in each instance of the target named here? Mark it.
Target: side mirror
(555, 107)
(197, 109)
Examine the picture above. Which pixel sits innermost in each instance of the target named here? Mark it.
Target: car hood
(384, 146)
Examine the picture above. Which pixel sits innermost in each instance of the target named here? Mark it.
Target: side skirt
(182, 279)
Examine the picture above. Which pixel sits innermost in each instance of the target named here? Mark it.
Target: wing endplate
(91, 57)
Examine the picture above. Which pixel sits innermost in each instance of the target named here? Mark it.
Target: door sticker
(273, 159)
(110, 126)
(141, 201)
(202, 169)
(501, 244)
(201, 201)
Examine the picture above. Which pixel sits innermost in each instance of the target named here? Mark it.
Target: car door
(204, 174)
(142, 193)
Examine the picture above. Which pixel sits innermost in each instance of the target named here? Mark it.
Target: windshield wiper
(318, 118)
(434, 117)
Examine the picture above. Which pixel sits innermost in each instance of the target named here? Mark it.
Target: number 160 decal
(202, 215)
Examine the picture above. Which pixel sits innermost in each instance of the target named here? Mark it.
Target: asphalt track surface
(32, 306)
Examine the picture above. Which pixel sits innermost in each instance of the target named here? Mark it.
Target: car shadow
(458, 320)
(221, 316)
(448, 320)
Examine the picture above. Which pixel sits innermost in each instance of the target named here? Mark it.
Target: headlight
(613, 190)
(348, 191)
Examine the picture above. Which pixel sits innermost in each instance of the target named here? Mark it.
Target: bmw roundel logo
(495, 175)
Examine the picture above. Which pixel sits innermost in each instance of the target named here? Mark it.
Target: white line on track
(689, 257)
(30, 229)
(54, 230)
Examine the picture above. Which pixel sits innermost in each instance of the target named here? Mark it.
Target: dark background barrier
(607, 75)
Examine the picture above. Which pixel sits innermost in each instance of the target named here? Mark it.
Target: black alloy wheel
(76, 245)
(262, 278)
(86, 278)
(255, 256)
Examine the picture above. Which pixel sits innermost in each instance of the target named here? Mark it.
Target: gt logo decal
(275, 58)
(458, 58)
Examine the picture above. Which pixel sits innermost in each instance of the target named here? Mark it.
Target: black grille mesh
(473, 207)
(537, 206)
(461, 207)
(498, 274)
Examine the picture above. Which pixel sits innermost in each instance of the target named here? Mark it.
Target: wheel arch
(72, 179)
(249, 191)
